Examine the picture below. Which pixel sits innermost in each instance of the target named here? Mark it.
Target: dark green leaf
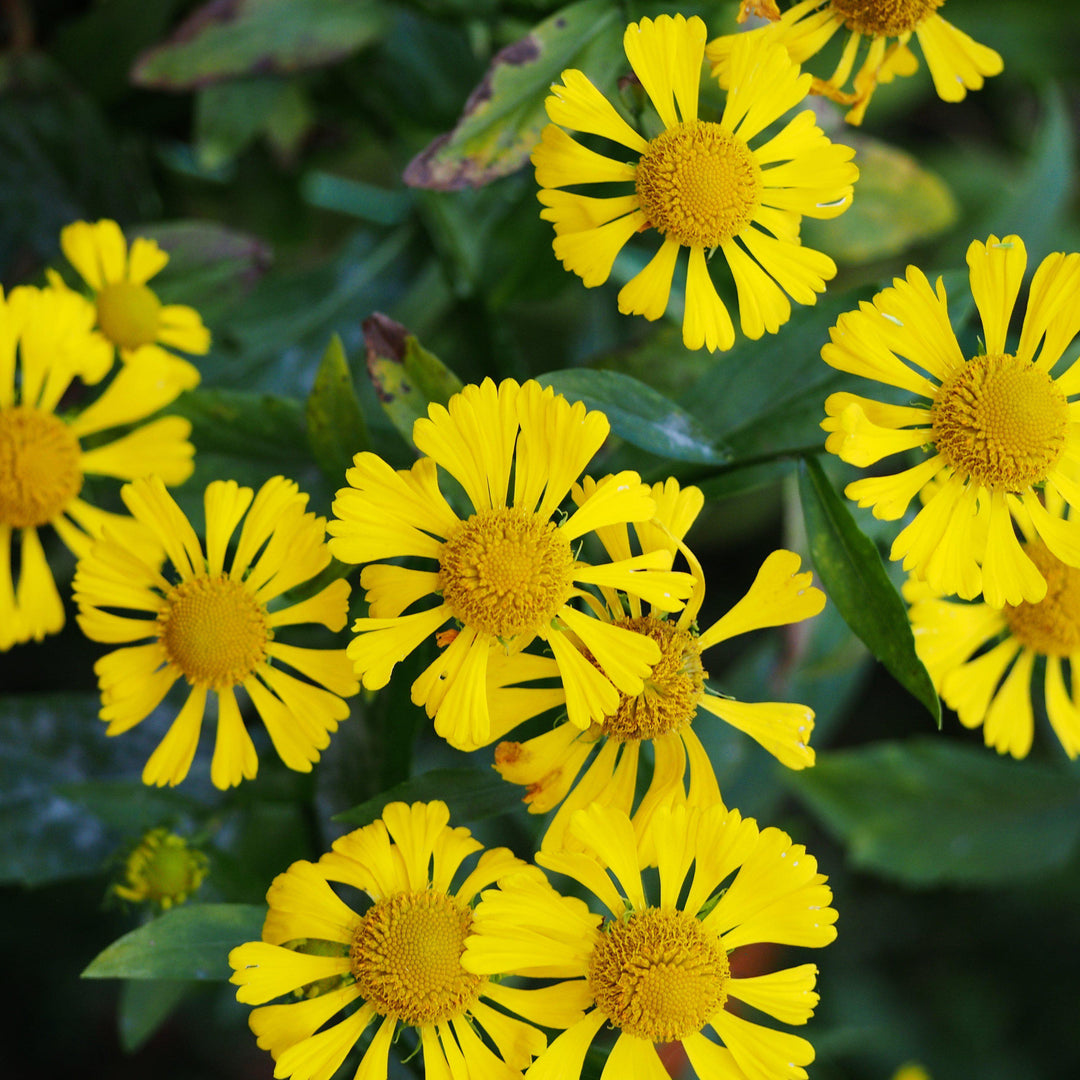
(640, 415)
(145, 1004)
(245, 425)
(470, 794)
(336, 427)
(238, 37)
(930, 812)
(503, 118)
(229, 115)
(852, 573)
(189, 942)
(405, 375)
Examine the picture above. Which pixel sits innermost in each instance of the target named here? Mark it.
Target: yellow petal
(578, 105)
(957, 63)
(706, 322)
(170, 762)
(996, 270)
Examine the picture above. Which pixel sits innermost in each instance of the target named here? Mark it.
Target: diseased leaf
(504, 115)
(854, 578)
(640, 415)
(189, 942)
(930, 812)
(226, 38)
(336, 427)
(470, 794)
(405, 375)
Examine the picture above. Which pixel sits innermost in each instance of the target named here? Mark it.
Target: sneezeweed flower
(47, 346)
(507, 574)
(957, 63)
(663, 714)
(982, 659)
(399, 962)
(911, 1071)
(699, 184)
(162, 870)
(129, 313)
(217, 629)
(994, 428)
(656, 969)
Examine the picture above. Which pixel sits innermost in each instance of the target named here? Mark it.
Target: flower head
(47, 346)
(399, 961)
(957, 63)
(552, 766)
(994, 427)
(699, 184)
(656, 968)
(162, 870)
(982, 659)
(128, 312)
(507, 573)
(217, 629)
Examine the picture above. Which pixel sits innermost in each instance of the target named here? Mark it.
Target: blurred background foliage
(321, 167)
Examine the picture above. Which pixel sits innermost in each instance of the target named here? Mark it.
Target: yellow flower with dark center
(993, 428)
(216, 628)
(699, 184)
(982, 659)
(46, 346)
(552, 766)
(397, 963)
(957, 63)
(129, 313)
(162, 870)
(506, 575)
(656, 968)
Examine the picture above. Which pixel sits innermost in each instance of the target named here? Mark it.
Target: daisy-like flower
(993, 427)
(129, 313)
(664, 712)
(507, 574)
(162, 870)
(47, 344)
(399, 962)
(982, 659)
(216, 628)
(656, 969)
(957, 63)
(698, 183)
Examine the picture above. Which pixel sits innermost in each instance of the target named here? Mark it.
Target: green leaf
(245, 425)
(897, 204)
(471, 795)
(931, 812)
(406, 377)
(145, 1004)
(336, 427)
(504, 115)
(189, 942)
(640, 415)
(854, 578)
(239, 37)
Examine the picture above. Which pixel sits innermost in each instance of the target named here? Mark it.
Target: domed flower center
(39, 467)
(506, 572)
(213, 630)
(698, 184)
(128, 314)
(672, 691)
(1000, 421)
(163, 870)
(884, 18)
(1052, 626)
(406, 958)
(658, 975)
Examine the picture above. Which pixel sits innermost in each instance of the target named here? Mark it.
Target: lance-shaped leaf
(335, 423)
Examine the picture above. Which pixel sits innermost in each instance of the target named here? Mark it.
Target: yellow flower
(216, 628)
(957, 63)
(46, 344)
(506, 574)
(129, 313)
(699, 184)
(162, 870)
(398, 962)
(664, 712)
(982, 659)
(657, 969)
(997, 426)
(911, 1071)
